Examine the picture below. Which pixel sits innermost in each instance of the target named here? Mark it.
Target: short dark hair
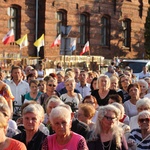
(117, 98)
(133, 85)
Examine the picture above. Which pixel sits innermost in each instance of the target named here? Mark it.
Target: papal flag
(39, 42)
(23, 41)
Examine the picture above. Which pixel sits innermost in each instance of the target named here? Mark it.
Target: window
(126, 32)
(84, 28)
(14, 20)
(105, 31)
(62, 20)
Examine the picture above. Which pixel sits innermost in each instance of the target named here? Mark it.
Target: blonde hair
(3, 121)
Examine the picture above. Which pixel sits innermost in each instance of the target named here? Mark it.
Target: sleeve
(82, 145)
(124, 143)
(45, 144)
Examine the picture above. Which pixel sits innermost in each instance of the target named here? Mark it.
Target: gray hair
(36, 109)
(144, 82)
(60, 112)
(106, 77)
(143, 102)
(145, 114)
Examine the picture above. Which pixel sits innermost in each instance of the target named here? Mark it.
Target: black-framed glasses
(110, 118)
(52, 85)
(147, 120)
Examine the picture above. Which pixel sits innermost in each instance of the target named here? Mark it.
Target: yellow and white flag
(39, 42)
(23, 41)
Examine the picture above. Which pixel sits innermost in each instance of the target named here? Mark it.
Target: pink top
(77, 142)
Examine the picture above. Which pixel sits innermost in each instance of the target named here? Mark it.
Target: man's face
(16, 74)
(83, 77)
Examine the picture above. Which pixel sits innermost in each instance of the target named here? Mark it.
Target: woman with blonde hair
(103, 91)
(5, 142)
(107, 134)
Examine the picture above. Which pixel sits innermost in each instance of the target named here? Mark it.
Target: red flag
(9, 37)
(57, 41)
(86, 48)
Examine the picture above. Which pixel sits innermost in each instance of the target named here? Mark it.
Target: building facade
(112, 27)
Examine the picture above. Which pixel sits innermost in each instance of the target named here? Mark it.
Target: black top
(35, 143)
(103, 101)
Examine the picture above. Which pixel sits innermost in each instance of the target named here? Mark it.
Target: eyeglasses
(51, 85)
(147, 120)
(110, 118)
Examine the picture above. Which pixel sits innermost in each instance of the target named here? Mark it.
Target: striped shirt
(136, 136)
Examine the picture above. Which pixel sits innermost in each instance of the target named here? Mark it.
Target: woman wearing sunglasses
(139, 139)
(107, 134)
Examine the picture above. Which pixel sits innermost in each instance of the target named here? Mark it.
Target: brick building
(113, 27)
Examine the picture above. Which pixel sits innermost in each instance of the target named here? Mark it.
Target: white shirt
(142, 75)
(133, 123)
(84, 91)
(17, 90)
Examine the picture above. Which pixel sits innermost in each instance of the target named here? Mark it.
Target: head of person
(103, 82)
(85, 112)
(28, 69)
(30, 77)
(51, 85)
(40, 67)
(124, 81)
(33, 86)
(143, 104)
(145, 69)
(52, 102)
(128, 73)
(147, 79)
(34, 72)
(143, 85)
(60, 76)
(16, 73)
(83, 76)
(77, 72)
(3, 125)
(69, 74)
(90, 77)
(114, 98)
(2, 75)
(53, 75)
(91, 100)
(134, 91)
(33, 116)
(94, 83)
(108, 117)
(59, 65)
(111, 69)
(144, 120)
(42, 86)
(70, 84)
(60, 118)
(114, 82)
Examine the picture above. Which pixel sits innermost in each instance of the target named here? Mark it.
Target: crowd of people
(74, 109)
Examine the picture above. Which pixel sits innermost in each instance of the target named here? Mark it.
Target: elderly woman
(34, 94)
(144, 87)
(63, 138)
(107, 134)
(71, 98)
(5, 142)
(124, 82)
(32, 137)
(103, 92)
(130, 105)
(139, 139)
(85, 114)
(141, 105)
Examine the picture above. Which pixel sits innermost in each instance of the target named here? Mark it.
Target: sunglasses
(51, 85)
(147, 120)
(110, 118)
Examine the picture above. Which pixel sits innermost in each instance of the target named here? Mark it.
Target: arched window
(61, 20)
(14, 13)
(105, 31)
(84, 28)
(126, 25)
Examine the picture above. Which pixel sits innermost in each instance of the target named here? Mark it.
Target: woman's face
(81, 116)
(90, 101)
(108, 120)
(51, 106)
(125, 81)
(42, 87)
(144, 123)
(114, 85)
(143, 88)
(51, 86)
(34, 87)
(142, 108)
(70, 85)
(103, 83)
(94, 85)
(31, 121)
(134, 92)
(61, 126)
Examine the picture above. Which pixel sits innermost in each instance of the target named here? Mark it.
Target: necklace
(106, 147)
